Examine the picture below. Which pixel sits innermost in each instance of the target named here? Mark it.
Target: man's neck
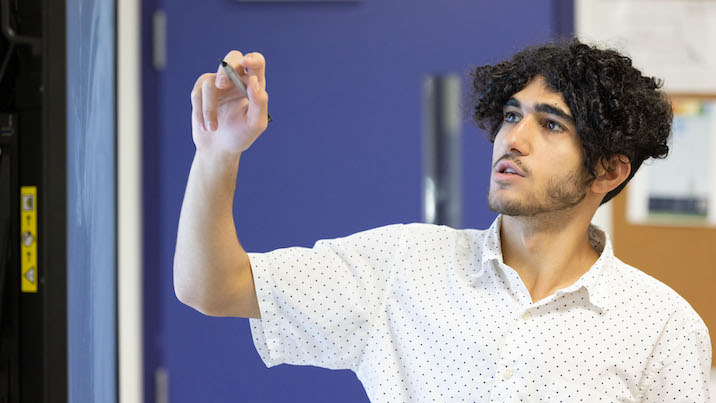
(548, 253)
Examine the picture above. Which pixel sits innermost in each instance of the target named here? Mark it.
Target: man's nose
(519, 137)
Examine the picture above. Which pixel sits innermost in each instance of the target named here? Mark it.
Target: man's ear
(609, 179)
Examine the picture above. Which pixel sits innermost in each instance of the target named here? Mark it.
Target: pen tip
(223, 63)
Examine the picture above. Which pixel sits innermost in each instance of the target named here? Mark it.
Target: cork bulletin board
(682, 257)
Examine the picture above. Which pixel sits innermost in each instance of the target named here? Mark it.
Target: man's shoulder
(444, 235)
(633, 287)
(419, 228)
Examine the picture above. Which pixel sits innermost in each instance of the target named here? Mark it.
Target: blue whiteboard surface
(91, 210)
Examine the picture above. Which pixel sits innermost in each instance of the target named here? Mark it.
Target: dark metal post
(442, 147)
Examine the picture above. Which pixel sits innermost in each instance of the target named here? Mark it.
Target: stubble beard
(561, 193)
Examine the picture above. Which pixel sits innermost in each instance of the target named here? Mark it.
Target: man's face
(539, 138)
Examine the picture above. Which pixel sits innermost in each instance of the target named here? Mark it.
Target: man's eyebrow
(512, 102)
(554, 111)
(544, 108)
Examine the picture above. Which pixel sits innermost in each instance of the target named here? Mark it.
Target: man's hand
(224, 121)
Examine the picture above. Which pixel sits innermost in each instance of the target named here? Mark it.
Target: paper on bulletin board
(670, 39)
(680, 189)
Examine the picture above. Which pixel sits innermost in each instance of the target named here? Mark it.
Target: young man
(536, 307)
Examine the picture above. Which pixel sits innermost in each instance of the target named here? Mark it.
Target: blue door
(342, 154)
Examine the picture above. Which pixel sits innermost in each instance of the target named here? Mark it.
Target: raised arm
(212, 272)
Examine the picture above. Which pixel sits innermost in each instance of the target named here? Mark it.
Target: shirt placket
(511, 365)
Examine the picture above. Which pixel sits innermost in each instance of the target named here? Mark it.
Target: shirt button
(526, 315)
(508, 373)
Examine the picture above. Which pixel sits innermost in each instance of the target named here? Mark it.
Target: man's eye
(511, 117)
(554, 126)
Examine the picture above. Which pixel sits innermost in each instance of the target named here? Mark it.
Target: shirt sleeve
(318, 304)
(684, 375)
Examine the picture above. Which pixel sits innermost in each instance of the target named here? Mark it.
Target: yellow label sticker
(28, 239)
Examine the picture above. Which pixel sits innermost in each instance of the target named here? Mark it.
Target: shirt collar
(594, 280)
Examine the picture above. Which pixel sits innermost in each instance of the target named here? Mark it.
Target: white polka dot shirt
(428, 313)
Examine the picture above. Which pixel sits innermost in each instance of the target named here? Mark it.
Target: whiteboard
(669, 39)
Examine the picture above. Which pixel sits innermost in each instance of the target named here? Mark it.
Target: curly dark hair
(617, 110)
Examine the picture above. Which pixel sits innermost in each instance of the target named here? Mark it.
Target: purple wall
(343, 153)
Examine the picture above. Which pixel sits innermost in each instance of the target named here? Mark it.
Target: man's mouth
(507, 175)
(506, 167)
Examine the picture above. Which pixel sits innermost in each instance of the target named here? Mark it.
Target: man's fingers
(233, 58)
(204, 95)
(208, 98)
(258, 105)
(197, 112)
(255, 63)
